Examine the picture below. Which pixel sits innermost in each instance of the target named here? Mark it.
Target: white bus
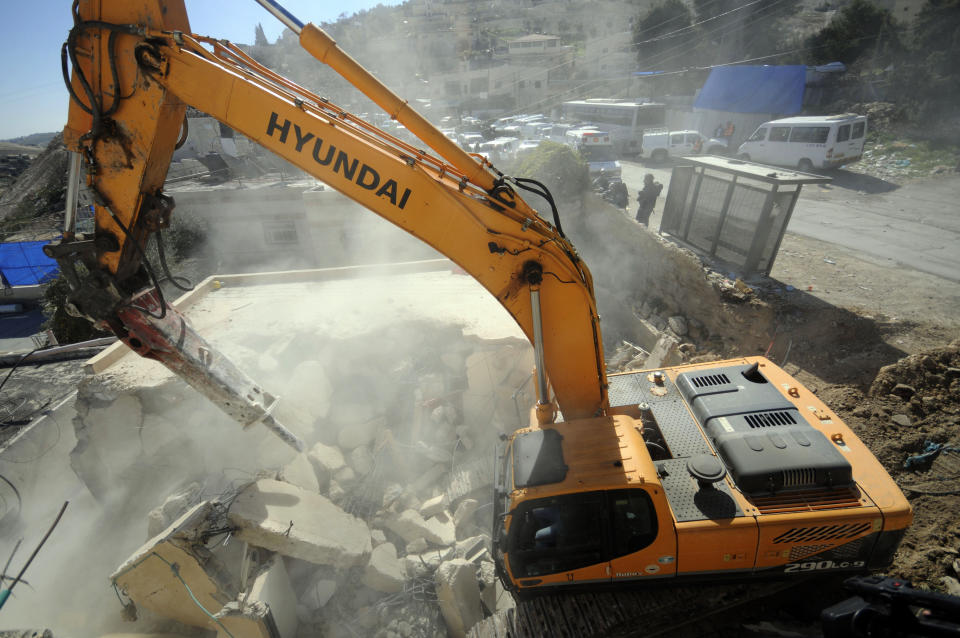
(626, 120)
(823, 141)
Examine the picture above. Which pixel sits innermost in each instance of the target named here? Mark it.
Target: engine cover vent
(799, 478)
(823, 533)
(770, 419)
(708, 380)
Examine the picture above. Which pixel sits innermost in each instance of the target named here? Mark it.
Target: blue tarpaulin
(24, 264)
(754, 89)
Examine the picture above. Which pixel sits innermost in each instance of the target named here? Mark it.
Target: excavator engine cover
(762, 438)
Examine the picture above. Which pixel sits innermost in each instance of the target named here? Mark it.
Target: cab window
(693, 138)
(843, 133)
(858, 128)
(676, 138)
(779, 133)
(558, 534)
(759, 135)
(633, 521)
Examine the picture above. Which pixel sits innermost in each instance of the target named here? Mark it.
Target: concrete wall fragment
(158, 575)
(458, 595)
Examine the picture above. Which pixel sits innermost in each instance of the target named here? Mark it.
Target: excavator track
(619, 614)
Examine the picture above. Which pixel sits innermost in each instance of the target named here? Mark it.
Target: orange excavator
(720, 470)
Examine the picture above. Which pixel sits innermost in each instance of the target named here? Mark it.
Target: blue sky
(32, 96)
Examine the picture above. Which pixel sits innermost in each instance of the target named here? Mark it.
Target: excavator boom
(136, 68)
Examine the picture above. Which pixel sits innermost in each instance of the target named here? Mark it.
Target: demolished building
(381, 528)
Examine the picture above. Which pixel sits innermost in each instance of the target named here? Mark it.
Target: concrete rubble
(384, 571)
(379, 529)
(459, 596)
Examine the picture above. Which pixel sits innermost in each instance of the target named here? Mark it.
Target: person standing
(647, 197)
(728, 133)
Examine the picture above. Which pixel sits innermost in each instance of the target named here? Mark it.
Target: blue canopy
(754, 89)
(24, 264)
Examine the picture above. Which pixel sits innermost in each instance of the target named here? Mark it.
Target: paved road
(916, 225)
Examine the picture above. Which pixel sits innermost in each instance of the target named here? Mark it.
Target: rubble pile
(380, 528)
(909, 419)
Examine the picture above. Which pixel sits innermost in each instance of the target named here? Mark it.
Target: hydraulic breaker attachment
(156, 330)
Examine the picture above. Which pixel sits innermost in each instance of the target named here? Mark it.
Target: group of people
(616, 193)
(647, 196)
(725, 133)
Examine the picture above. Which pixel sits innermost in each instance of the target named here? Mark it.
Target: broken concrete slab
(678, 324)
(488, 585)
(473, 549)
(384, 571)
(300, 472)
(293, 522)
(433, 506)
(157, 575)
(423, 564)
(326, 460)
(665, 353)
(458, 595)
(410, 526)
(377, 537)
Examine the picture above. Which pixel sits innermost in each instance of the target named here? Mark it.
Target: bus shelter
(732, 210)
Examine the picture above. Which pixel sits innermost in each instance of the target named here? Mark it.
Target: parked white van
(659, 144)
(825, 141)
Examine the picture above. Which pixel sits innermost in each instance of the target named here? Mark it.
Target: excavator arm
(136, 67)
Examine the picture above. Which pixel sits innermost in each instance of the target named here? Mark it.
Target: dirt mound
(911, 403)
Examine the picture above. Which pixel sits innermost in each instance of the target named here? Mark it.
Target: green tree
(928, 80)
(860, 32)
(664, 36)
(937, 37)
(556, 165)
